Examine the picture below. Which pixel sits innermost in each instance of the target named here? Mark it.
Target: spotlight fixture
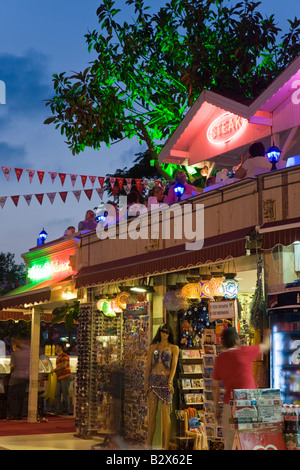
(42, 237)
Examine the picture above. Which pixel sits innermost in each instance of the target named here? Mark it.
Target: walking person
(234, 368)
(19, 378)
(63, 373)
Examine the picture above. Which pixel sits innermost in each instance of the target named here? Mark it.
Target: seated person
(89, 223)
(69, 231)
(255, 164)
(190, 190)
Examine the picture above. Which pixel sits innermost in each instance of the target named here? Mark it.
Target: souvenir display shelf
(135, 352)
(99, 372)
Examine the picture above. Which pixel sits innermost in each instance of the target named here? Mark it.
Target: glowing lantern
(230, 288)
(216, 287)
(107, 310)
(206, 290)
(121, 299)
(114, 306)
(191, 290)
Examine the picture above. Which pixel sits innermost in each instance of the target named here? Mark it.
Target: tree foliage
(12, 274)
(148, 72)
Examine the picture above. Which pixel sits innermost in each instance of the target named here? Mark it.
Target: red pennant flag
(120, 183)
(62, 177)
(52, 175)
(88, 193)
(18, 172)
(39, 197)
(40, 176)
(15, 200)
(30, 174)
(101, 180)
(6, 171)
(92, 179)
(63, 195)
(83, 179)
(115, 190)
(139, 187)
(157, 182)
(73, 179)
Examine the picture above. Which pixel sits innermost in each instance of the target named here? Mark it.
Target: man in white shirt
(255, 164)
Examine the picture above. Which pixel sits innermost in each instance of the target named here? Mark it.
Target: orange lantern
(121, 299)
(216, 287)
(191, 290)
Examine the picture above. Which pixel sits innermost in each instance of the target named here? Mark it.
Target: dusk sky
(38, 39)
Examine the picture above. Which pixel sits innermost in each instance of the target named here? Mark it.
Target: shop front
(50, 284)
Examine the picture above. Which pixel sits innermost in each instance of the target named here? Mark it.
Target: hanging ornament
(121, 299)
(206, 292)
(216, 287)
(191, 290)
(230, 288)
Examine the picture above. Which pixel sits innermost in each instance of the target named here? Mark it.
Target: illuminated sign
(47, 270)
(225, 128)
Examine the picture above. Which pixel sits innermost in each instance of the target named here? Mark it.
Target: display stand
(263, 439)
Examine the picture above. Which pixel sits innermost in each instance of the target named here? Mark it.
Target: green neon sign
(45, 271)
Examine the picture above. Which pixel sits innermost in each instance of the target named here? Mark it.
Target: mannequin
(159, 375)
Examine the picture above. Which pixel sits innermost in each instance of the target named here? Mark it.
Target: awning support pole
(34, 366)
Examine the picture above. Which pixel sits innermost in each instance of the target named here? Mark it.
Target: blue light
(273, 155)
(42, 237)
(101, 217)
(179, 189)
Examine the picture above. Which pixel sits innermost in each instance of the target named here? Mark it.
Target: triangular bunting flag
(83, 179)
(100, 192)
(139, 187)
(73, 179)
(157, 182)
(6, 171)
(77, 194)
(62, 177)
(27, 198)
(112, 181)
(18, 172)
(145, 183)
(51, 197)
(52, 175)
(120, 183)
(88, 193)
(127, 189)
(40, 176)
(128, 181)
(92, 179)
(2, 201)
(15, 200)
(40, 197)
(101, 180)
(115, 190)
(63, 195)
(30, 174)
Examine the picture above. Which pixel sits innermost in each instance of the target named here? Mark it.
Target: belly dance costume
(159, 383)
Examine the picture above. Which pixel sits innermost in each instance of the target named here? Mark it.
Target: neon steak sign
(225, 128)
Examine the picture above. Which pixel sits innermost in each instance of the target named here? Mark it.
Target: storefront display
(135, 352)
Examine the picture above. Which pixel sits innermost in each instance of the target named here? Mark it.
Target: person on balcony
(256, 162)
(89, 223)
(189, 189)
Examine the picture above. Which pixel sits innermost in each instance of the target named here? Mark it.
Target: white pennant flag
(28, 198)
(100, 192)
(92, 179)
(30, 174)
(128, 181)
(6, 171)
(2, 201)
(112, 181)
(73, 179)
(51, 197)
(77, 194)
